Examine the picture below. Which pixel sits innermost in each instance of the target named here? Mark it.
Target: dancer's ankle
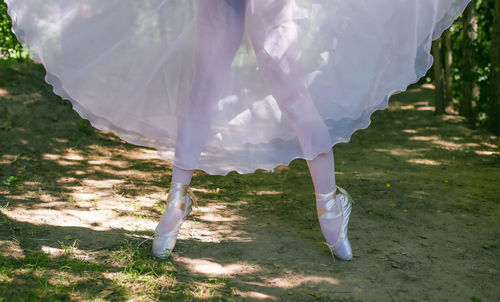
(181, 176)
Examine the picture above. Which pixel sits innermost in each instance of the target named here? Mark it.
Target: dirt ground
(78, 208)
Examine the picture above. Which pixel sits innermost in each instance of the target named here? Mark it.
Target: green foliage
(85, 126)
(9, 46)
(482, 49)
(11, 181)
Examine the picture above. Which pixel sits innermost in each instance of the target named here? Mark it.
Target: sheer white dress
(235, 84)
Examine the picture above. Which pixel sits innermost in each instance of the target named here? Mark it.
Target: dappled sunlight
(407, 107)
(8, 158)
(63, 162)
(104, 169)
(425, 108)
(256, 295)
(71, 250)
(488, 153)
(420, 103)
(396, 105)
(214, 269)
(59, 217)
(88, 210)
(114, 163)
(491, 146)
(301, 279)
(102, 183)
(448, 145)
(268, 192)
(147, 200)
(453, 118)
(32, 183)
(402, 151)
(214, 223)
(424, 138)
(51, 156)
(216, 213)
(81, 196)
(70, 155)
(423, 161)
(60, 140)
(443, 143)
(79, 212)
(141, 154)
(70, 158)
(52, 251)
(11, 248)
(412, 131)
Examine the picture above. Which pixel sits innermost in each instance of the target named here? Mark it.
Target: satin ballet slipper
(342, 247)
(183, 198)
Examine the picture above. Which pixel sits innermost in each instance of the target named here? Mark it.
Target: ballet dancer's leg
(220, 27)
(274, 36)
(219, 32)
(182, 176)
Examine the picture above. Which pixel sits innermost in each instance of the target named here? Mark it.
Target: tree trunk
(447, 61)
(494, 105)
(438, 77)
(468, 66)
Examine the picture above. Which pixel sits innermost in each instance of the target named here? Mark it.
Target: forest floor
(78, 208)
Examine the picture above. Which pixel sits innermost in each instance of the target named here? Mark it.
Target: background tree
(438, 77)
(494, 104)
(9, 47)
(468, 61)
(447, 61)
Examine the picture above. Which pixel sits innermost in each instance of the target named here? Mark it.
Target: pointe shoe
(163, 244)
(342, 247)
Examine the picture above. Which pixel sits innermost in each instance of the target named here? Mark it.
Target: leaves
(11, 181)
(9, 46)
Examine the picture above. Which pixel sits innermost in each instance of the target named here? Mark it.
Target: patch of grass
(467, 208)
(115, 276)
(136, 260)
(381, 213)
(38, 276)
(85, 126)
(6, 125)
(11, 181)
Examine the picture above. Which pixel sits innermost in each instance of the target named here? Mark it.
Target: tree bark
(447, 61)
(494, 104)
(468, 62)
(438, 77)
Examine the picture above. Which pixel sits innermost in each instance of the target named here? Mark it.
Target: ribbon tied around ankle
(192, 196)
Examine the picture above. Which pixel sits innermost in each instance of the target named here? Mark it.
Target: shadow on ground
(78, 209)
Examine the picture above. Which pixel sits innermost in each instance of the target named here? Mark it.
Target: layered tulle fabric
(236, 85)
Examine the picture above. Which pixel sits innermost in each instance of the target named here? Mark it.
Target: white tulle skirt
(223, 85)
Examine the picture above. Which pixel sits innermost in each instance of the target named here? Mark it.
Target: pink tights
(222, 22)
